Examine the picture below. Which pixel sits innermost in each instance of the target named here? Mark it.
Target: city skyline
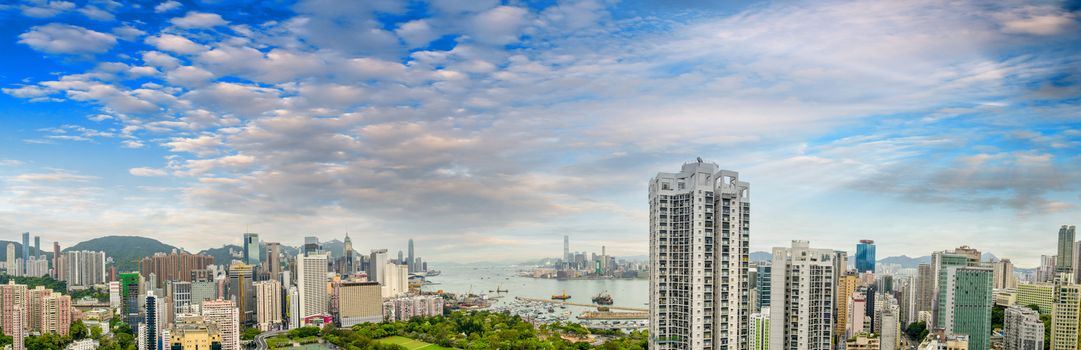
(488, 131)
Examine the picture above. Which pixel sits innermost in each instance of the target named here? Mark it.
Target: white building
(224, 315)
(377, 265)
(801, 297)
(312, 284)
(82, 268)
(1022, 329)
(114, 294)
(891, 330)
(699, 239)
(1004, 276)
(396, 280)
(84, 344)
(405, 308)
(293, 299)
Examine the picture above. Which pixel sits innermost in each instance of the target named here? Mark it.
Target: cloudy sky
(486, 130)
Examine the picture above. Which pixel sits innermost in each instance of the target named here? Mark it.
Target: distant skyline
(488, 130)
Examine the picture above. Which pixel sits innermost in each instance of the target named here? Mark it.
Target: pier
(607, 315)
(610, 307)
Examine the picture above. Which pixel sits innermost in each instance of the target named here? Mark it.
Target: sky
(487, 130)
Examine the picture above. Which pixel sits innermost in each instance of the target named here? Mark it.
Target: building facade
(1022, 329)
(699, 255)
(865, 256)
(801, 312)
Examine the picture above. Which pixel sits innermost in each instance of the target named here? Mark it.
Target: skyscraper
(37, 245)
(312, 284)
(376, 264)
(699, 238)
(311, 245)
(1064, 260)
(566, 248)
(412, 258)
(251, 249)
(56, 260)
(224, 315)
(964, 298)
(1023, 329)
(153, 322)
(865, 256)
(240, 290)
(273, 259)
(12, 266)
(350, 259)
(846, 287)
(758, 337)
(801, 312)
(268, 304)
(26, 250)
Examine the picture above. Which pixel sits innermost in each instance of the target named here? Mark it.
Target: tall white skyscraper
(801, 305)
(376, 265)
(699, 237)
(312, 284)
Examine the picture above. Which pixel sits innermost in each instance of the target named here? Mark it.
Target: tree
(249, 333)
(78, 330)
(916, 330)
(998, 314)
(95, 332)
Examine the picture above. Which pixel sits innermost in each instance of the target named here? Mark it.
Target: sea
(486, 279)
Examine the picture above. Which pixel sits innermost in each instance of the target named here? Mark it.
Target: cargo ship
(563, 296)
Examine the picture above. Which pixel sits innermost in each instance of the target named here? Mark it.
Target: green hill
(19, 249)
(125, 251)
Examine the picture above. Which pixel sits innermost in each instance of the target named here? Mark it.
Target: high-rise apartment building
(175, 266)
(12, 266)
(566, 248)
(312, 284)
(15, 318)
(268, 304)
(801, 312)
(395, 280)
(151, 328)
(964, 298)
(758, 336)
(1064, 260)
(1066, 317)
(224, 315)
(83, 268)
(251, 249)
(1004, 276)
(1022, 329)
(865, 256)
(26, 250)
(411, 258)
(56, 260)
(846, 286)
(699, 247)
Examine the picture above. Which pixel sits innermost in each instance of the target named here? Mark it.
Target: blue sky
(486, 130)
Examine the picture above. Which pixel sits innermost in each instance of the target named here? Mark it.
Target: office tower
(26, 250)
(566, 248)
(268, 304)
(846, 287)
(758, 335)
(15, 326)
(762, 284)
(857, 314)
(312, 284)
(964, 298)
(872, 301)
(699, 238)
(311, 245)
(401, 257)
(240, 290)
(350, 259)
(224, 315)
(175, 266)
(1022, 329)
(194, 333)
(1064, 259)
(273, 259)
(1004, 277)
(152, 323)
(37, 245)
(1039, 294)
(202, 291)
(411, 258)
(360, 302)
(180, 293)
(56, 260)
(251, 249)
(376, 264)
(12, 267)
(865, 256)
(801, 312)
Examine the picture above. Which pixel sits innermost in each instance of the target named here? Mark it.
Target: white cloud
(167, 6)
(417, 33)
(67, 39)
(175, 43)
(500, 25)
(199, 20)
(142, 171)
(46, 8)
(97, 14)
(128, 32)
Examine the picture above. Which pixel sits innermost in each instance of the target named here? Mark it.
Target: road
(260, 340)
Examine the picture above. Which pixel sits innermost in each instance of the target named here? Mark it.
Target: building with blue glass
(865, 256)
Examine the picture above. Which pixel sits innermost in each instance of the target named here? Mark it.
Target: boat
(603, 299)
(563, 296)
(432, 273)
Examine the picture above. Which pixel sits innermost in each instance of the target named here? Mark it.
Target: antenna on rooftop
(699, 160)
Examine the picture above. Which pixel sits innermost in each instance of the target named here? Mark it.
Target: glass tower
(865, 256)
